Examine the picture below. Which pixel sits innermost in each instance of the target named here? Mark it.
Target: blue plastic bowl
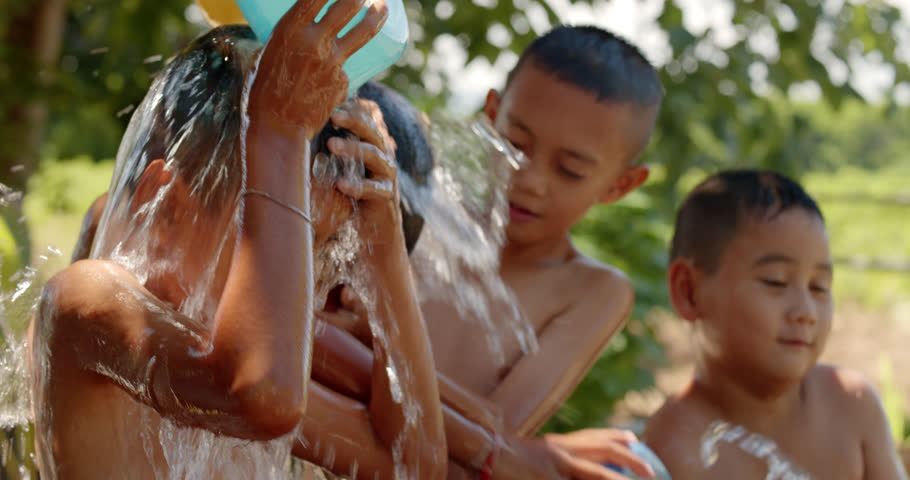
(380, 53)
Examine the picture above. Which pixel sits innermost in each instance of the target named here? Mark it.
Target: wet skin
(98, 329)
(343, 364)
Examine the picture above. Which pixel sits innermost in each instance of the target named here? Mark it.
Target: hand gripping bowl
(381, 52)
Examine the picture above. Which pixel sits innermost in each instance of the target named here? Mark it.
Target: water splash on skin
(758, 446)
(465, 207)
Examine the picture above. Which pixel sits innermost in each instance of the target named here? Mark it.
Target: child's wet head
(413, 156)
(186, 171)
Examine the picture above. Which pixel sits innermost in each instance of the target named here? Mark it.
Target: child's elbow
(76, 294)
(270, 408)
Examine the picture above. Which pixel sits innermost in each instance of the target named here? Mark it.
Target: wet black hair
(596, 61)
(413, 153)
(197, 123)
(197, 120)
(713, 212)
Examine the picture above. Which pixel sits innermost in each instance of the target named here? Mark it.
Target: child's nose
(803, 308)
(531, 177)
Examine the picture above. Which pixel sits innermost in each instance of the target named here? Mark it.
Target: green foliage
(865, 212)
(9, 258)
(59, 194)
(110, 50)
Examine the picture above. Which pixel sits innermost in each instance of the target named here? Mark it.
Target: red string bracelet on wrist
(486, 472)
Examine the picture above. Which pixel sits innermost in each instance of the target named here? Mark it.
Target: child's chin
(521, 233)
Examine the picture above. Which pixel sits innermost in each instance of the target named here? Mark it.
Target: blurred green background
(777, 87)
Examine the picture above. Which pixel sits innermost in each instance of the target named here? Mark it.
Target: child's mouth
(519, 214)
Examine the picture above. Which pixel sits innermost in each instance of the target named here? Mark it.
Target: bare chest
(477, 352)
(814, 453)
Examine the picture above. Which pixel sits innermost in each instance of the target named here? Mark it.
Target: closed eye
(773, 283)
(570, 174)
(518, 146)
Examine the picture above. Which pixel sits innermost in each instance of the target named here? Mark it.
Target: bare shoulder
(599, 282)
(838, 390)
(856, 403)
(842, 387)
(674, 433)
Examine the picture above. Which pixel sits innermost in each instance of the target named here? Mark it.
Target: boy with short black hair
(751, 273)
(196, 307)
(581, 105)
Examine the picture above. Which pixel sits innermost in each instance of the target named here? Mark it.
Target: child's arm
(343, 363)
(353, 318)
(406, 415)
(569, 345)
(245, 377)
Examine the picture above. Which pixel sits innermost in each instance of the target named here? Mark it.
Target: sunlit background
(815, 89)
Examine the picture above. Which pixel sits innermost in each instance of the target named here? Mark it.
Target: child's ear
(491, 107)
(682, 277)
(631, 179)
(154, 177)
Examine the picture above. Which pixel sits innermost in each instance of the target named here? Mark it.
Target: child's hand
(299, 79)
(587, 450)
(376, 192)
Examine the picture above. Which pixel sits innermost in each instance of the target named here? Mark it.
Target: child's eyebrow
(580, 156)
(515, 122)
(773, 258)
(781, 258)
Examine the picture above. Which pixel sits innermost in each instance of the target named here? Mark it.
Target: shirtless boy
(581, 105)
(125, 350)
(751, 273)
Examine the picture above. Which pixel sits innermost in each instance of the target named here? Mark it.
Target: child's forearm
(260, 328)
(337, 434)
(486, 413)
(343, 364)
(406, 341)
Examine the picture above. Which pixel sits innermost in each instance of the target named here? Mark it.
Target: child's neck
(760, 406)
(537, 254)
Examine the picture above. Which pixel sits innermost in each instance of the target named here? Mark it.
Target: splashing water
(465, 212)
(190, 120)
(16, 308)
(17, 305)
(760, 447)
(465, 207)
